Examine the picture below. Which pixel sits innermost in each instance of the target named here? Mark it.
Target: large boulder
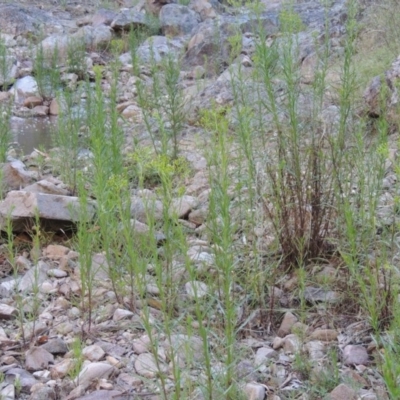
(154, 6)
(55, 211)
(25, 87)
(17, 20)
(127, 20)
(210, 45)
(382, 94)
(178, 20)
(154, 49)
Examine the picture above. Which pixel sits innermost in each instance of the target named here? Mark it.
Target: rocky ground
(37, 357)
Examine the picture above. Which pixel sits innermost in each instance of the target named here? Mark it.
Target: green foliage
(290, 21)
(147, 169)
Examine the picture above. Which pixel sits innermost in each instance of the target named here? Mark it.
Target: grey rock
(7, 312)
(204, 8)
(254, 391)
(210, 47)
(264, 355)
(121, 314)
(342, 392)
(56, 346)
(55, 211)
(154, 6)
(103, 17)
(103, 395)
(94, 371)
(319, 294)
(26, 379)
(25, 87)
(93, 353)
(9, 70)
(127, 20)
(196, 289)
(35, 276)
(181, 207)
(38, 358)
(142, 208)
(46, 187)
(145, 365)
(184, 347)
(93, 37)
(178, 20)
(355, 355)
(43, 393)
(155, 48)
(286, 325)
(17, 20)
(7, 392)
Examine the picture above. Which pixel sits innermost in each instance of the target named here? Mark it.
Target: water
(33, 133)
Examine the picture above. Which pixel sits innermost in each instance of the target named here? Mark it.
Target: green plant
(5, 132)
(78, 358)
(47, 72)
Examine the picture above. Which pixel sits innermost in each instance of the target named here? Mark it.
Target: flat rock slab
(55, 211)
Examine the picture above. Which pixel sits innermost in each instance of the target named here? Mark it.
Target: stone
(43, 393)
(155, 48)
(56, 346)
(177, 19)
(103, 16)
(146, 365)
(35, 276)
(7, 392)
(18, 20)
(93, 353)
(184, 347)
(292, 344)
(277, 343)
(7, 312)
(93, 371)
(62, 369)
(57, 273)
(134, 113)
(121, 314)
(355, 355)
(315, 349)
(26, 379)
(141, 345)
(8, 73)
(196, 289)
(254, 391)
(15, 175)
(342, 392)
(54, 108)
(264, 355)
(141, 208)
(210, 47)
(198, 217)
(54, 211)
(38, 358)
(320, 294)
(182, 206)
(154, 6)
(204, 8)
(40, 111)
(54, 45)
(33, 101)
(93, 36)
(103, 395)
(286, 325)
(55, 251)
(130, 19)
(326, 335)
(24, 88)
